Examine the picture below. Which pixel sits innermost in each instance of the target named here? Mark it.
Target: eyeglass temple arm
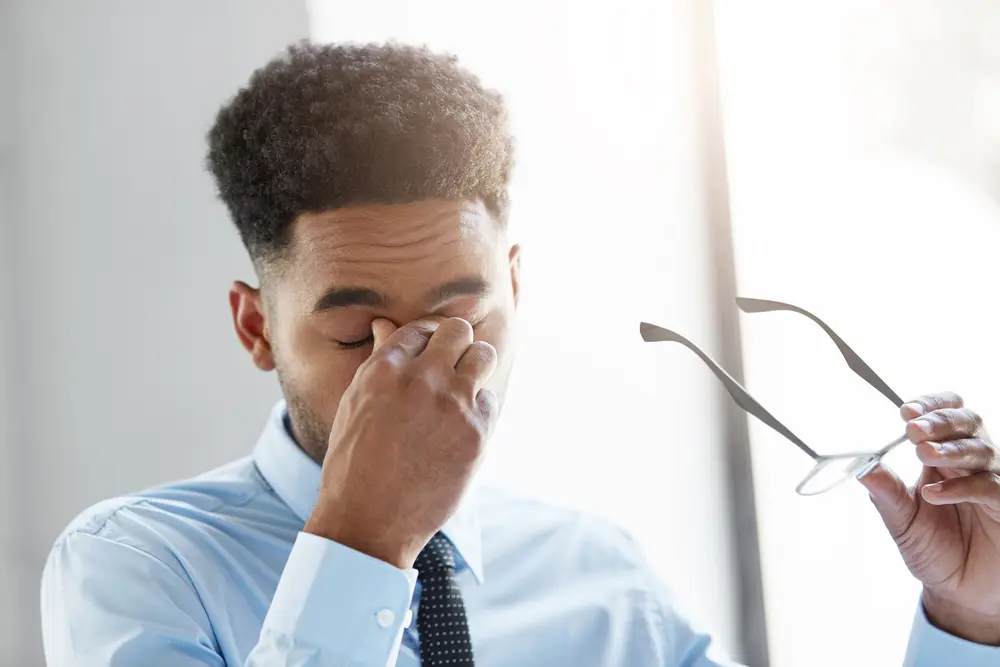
(856, 363)
(653, 333)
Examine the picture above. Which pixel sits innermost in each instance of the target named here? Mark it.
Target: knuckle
(973, 417)
(980, 452)
(485, 350)
(945, 418)
(467, 437)
(481, 353)
(933, 402)
(448, 401)
(962, 448)
(385, 364)
(460, 324)
(409, 335)
(961, 420)
(422, 380)
(456, 327)
(940, 401)
(971, 452)
(424, 327)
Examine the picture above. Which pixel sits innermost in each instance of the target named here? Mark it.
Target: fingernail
(924, 426)
(915, 407)
(933, 488)
(937, 447)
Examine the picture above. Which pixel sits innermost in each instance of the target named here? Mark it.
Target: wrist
(958, 620)
(395, 552)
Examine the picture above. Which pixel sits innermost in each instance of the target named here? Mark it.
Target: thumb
(381, 330)
(891, 498)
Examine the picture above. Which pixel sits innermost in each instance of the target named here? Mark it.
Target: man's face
(347, 267)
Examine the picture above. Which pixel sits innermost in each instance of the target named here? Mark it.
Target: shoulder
(584, 540)
(591, 563)
(164, 519)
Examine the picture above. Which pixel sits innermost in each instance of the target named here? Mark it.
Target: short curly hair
(323, 127)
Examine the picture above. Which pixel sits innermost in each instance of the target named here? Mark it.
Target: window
(863, 153)
(863, 145)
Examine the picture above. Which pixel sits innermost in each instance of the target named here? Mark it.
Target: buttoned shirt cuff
(345, 605)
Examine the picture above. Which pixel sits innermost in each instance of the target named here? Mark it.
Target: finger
(478, 363)
(891, 498)
(944, 424)
(409, 339)
(488, 407)
(449, 342)
(924, 404)
(981, 489)
(381, 330)
(963, 454)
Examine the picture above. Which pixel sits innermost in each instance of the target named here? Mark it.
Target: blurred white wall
(10, 561)
(120, 368)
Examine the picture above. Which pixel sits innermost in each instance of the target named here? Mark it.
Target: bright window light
(861, 157)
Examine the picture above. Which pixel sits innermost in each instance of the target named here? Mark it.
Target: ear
(250, 322)
(515, 270)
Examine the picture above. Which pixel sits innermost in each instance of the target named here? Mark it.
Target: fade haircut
(324, 127)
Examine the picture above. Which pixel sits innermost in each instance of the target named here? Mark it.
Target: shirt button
(385, 618)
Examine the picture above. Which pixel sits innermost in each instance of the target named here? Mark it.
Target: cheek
(317, 371)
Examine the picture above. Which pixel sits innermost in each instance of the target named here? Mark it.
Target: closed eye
(354, 344)
(350, 345)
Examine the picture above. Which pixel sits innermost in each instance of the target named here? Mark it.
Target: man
(369, 185)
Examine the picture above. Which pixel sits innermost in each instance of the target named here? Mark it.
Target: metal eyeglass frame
(855, 464)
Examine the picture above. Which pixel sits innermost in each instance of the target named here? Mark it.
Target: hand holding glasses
(830, 469)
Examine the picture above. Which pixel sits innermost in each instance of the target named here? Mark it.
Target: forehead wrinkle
(414, 257)
(341, 240)
(383, 240)
(396, 226)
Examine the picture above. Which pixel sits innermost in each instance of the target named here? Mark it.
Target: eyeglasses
(830, 470)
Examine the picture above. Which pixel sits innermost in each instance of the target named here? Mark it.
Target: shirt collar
(295, 478)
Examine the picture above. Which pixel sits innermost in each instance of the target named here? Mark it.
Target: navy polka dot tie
(441, 621)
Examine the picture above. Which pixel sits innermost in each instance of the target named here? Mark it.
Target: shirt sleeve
(683, 644)
(691, 648)
(362, 628)
(108, 604)
(931, 647)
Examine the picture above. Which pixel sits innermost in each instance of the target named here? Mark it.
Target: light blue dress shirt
(215, 571)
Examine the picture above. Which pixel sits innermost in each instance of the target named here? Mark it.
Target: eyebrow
(342, 297)
(468, 286)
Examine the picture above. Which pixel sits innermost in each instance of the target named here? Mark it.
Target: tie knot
(438, 555)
